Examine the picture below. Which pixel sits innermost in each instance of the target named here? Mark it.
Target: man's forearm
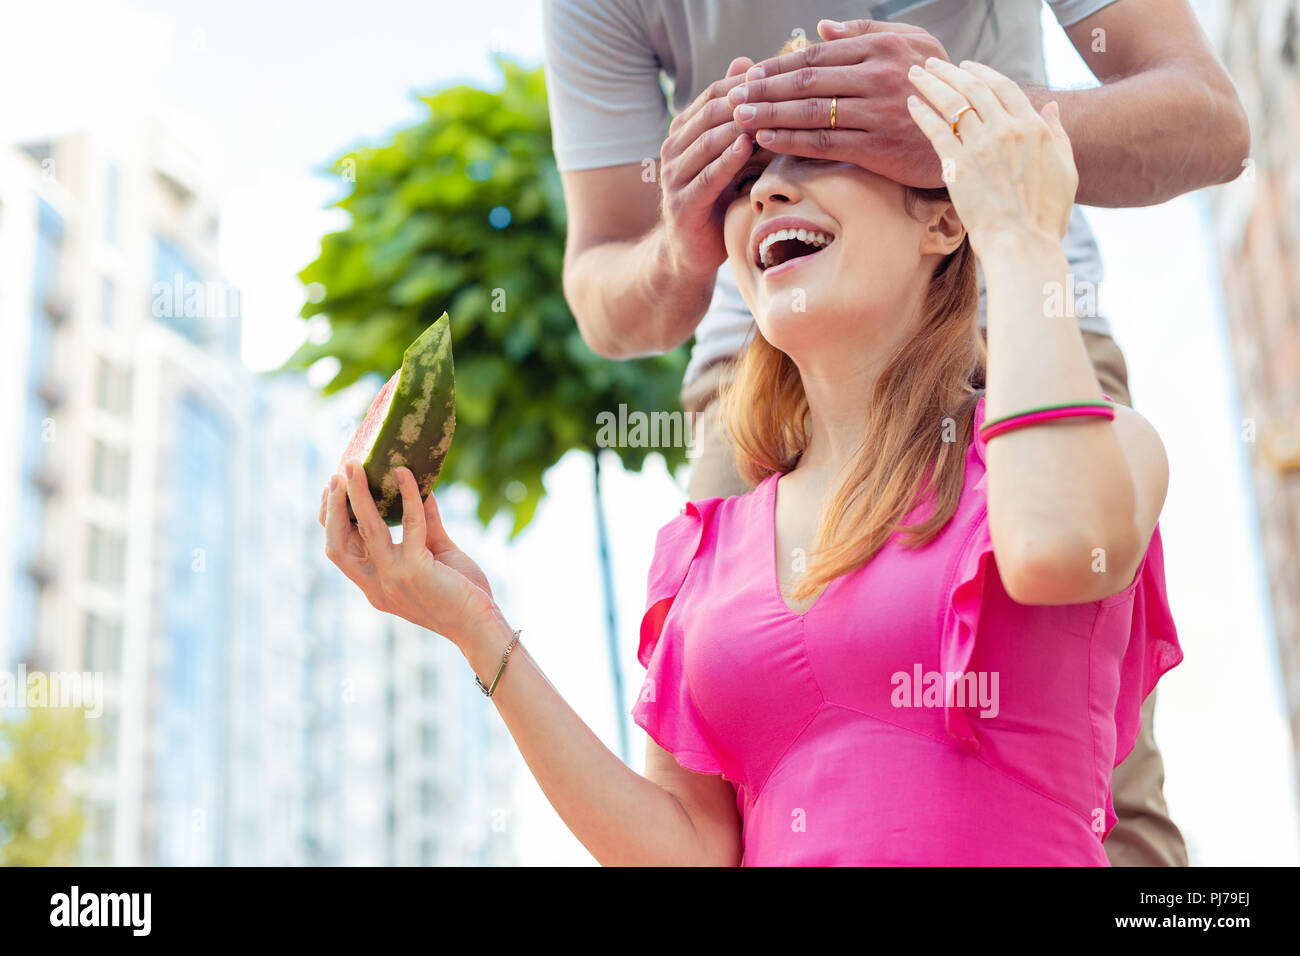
(1147, 138)
(630, 299)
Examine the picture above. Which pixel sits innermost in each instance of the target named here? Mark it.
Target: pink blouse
(914, 714)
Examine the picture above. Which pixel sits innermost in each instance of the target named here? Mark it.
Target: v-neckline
(773, 558)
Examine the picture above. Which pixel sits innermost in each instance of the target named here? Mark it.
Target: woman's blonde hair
(914, 444)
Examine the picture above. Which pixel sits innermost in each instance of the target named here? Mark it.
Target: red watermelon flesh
(364, 439)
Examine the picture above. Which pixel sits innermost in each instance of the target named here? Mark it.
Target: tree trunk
(611, 615)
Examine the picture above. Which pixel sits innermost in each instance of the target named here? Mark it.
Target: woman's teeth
(766, 259)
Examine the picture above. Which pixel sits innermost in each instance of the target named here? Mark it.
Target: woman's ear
(943, 231)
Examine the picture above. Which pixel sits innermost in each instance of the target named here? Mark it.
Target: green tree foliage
(464, 212)
(40, 815)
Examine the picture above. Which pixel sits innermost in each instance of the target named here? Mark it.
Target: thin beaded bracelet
(487, 691)
(1046, 413)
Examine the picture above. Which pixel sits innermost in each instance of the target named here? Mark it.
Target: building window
(429, 798)
(205, 311)
(108, 302)
(112, 388)
(106, 557)
(102, 649)
(105, 740)
(108, 471)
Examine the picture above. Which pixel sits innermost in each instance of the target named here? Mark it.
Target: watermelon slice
(410, 422)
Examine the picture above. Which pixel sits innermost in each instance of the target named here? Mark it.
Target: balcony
(42, 571)
(58, 309)
(48, 479)
(52, 392)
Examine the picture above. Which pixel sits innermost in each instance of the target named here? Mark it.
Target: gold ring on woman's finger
(956, 117)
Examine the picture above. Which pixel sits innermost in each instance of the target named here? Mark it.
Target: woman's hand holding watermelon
(425, 579)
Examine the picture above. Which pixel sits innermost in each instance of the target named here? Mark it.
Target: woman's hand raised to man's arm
(1165, 120)
(1072, 504)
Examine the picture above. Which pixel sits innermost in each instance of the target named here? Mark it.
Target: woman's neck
(839, 380)
(839, 405)
(839, 396)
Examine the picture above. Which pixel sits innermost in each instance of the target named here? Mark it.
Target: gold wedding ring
(956, 117)
(833, 99)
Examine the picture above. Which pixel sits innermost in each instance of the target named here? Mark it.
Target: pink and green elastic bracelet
(1046, 413)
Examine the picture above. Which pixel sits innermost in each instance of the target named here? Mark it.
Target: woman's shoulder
(718, 513)
(698, 531)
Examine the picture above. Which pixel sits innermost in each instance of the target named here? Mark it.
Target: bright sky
(276, 91)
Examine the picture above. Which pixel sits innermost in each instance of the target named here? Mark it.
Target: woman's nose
(776, 184)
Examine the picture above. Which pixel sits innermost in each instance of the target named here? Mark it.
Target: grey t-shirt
(613, 67)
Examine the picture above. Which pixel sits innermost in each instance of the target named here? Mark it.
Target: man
(645, 266)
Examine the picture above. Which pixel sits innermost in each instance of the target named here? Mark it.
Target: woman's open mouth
(782, 251)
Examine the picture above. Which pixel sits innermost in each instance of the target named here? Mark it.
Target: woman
(925, 636)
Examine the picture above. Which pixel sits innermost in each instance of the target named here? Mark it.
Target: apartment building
(163, 504)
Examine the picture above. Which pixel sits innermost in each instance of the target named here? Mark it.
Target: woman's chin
(787, 328)
(814, 325)
(796, 306)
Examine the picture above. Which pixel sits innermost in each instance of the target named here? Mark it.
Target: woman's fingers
(949, 90)
(379, 543)
(1008, 92)
(436, 538)
(1051, 115)
(413, 533)
(338, 526)
(947, 100)
(937, 131)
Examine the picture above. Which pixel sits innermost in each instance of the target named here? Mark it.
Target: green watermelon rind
(421, 420)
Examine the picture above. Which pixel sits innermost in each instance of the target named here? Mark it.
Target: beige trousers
(1145, 835)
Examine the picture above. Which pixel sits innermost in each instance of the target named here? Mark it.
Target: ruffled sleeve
(664, 707)
(1138, 624)
(1153, 646)
(966, 591)
(1135, 622)
(963, 617)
